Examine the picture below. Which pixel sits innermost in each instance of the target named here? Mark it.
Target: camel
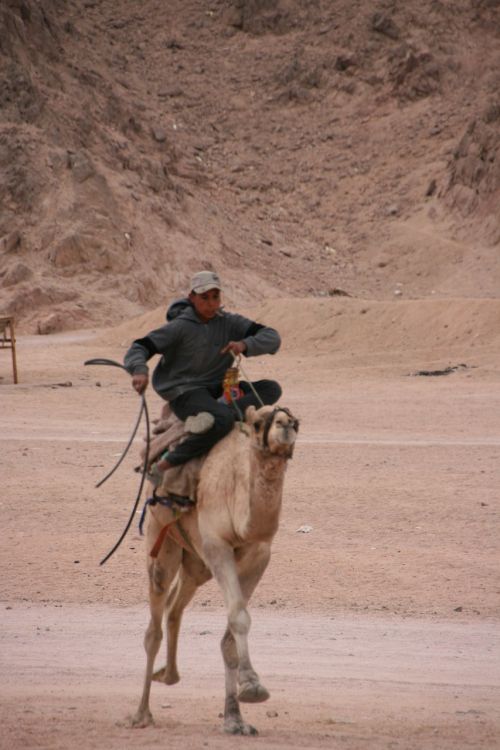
(227, 536)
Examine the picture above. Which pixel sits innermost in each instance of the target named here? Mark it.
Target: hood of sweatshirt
(177, 307)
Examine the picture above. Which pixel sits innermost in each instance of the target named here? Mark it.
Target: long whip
(143, 410)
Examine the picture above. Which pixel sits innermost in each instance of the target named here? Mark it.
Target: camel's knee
(153, 636)
(174, 615)
(157, 578)
(239, 620)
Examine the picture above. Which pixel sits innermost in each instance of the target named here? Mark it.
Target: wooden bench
(8, 340)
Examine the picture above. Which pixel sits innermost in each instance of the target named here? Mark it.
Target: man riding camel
(197, 346)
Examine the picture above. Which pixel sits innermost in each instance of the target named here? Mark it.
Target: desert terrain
(337, 164)
(378, 627)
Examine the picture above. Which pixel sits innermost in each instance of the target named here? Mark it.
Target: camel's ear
(250, 414)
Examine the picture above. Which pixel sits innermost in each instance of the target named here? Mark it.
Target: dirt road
(72, 673)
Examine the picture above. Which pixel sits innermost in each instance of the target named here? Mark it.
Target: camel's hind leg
(162, 571)
(191, 575)
(240, 580)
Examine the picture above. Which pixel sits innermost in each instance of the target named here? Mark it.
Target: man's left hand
(236, 347)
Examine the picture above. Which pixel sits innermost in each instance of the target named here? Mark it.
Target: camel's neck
(267, 473)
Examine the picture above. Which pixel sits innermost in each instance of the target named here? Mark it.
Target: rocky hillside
(297, 148)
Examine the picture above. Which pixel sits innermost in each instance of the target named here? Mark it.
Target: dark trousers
(205, 399)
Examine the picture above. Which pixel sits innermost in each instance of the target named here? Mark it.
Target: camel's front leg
(221, 560)
(252, 562)
(161, 574)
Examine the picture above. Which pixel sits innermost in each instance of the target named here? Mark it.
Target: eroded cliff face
(298, 150)
(70, 150)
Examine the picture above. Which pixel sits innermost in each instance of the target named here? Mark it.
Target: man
(197, 347)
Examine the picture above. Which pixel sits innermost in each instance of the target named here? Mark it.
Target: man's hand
(236, 347)
(140, 382)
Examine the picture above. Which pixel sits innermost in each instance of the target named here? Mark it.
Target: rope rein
(237, 362)
(231, 381)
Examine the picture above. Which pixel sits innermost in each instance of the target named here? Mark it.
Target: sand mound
(367, 327)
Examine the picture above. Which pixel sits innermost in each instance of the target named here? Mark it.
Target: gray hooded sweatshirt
(191, 350)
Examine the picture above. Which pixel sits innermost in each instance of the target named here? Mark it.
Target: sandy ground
(380, 628)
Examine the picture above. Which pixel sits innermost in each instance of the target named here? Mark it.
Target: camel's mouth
(285, 449)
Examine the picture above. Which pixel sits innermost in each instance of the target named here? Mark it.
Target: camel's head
(274, 429)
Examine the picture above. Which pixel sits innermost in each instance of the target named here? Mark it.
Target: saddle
(180, 481)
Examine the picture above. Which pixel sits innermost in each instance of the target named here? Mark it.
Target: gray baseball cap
(205, 280)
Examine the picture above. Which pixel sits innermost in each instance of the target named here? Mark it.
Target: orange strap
(161, 538)
(172, 530)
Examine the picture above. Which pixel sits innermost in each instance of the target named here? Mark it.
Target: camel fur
(230, 533)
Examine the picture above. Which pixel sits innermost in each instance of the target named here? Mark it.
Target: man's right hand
(140, 382)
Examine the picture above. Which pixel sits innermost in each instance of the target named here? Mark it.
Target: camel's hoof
(167, 676)
(237, 726)
(250, 693)
(141, 719)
